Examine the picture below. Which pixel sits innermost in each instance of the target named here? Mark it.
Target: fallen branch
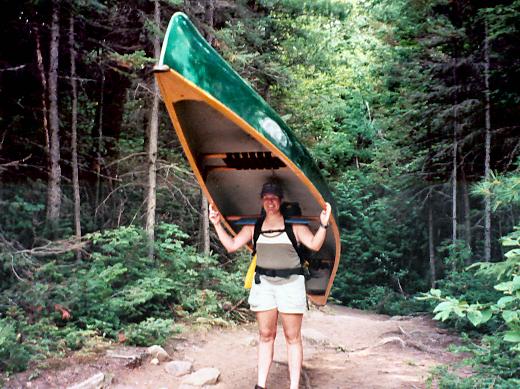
(14, 163)
(54, 248)
(14, 270)
(236, 305)
(13, 69)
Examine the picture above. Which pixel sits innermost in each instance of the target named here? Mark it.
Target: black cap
(272, 188)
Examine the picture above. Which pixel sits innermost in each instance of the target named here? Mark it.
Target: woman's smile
(271, 202)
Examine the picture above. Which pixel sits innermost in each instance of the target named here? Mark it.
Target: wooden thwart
(233, 218)
(247, 160)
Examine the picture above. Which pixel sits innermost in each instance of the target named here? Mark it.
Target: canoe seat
(253, 160)
(250, 160)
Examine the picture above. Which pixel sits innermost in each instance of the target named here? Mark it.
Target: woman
(275, 295)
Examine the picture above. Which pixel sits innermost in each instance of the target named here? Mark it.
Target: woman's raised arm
(305, 235)
(230, 243)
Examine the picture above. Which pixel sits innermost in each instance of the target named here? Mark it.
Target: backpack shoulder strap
(257, 231)
(288, 227)
(290, 233)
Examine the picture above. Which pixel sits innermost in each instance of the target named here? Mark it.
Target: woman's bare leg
(267, 333)
(292, 326)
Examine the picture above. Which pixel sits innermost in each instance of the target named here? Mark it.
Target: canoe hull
(231, 158)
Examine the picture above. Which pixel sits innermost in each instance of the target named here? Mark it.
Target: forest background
(411, 108)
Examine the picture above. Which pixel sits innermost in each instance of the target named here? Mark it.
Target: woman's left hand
(325, 215)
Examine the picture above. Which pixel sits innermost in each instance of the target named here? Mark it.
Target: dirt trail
(363, 350)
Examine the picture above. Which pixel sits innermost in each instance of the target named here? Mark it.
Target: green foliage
(23, 207)
(14, 355)
(456, 254)
(502, 190)
(331, 8)
(507, 307)
(497, 359)
(149, 331)
(469, 286)
(506, 273)
(374, 256)
(385, 300)
(175, 2)
(492, 362)
(117, 290)
(374, 88)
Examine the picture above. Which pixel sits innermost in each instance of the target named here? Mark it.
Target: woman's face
(271, 203)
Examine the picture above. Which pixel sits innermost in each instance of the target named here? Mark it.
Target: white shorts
(287, 297)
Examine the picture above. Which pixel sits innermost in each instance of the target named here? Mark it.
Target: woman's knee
(293, 336)
(267, 334)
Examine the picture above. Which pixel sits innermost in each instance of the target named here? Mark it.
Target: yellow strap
(248, 281)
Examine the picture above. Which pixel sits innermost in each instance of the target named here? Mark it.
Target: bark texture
(487, 201)
(431, 246)
(153, 130)
(45, 89)
(454, 177)
(74, 136)
(54, 182)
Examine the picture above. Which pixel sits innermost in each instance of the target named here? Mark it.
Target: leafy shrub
(456, 254)
(506, 309)
(14, 354)
(373, 254)
(470, 286)
(386, 301)
(118, 290)
(149, 331)
(496, 361)
(493, 363)
(23, 210)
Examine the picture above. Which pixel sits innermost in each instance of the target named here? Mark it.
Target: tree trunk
(41, 70)
(501, 233)
(74, 136)
(433, 275)
(454, 170)
(152, 146)
(204, 226)
(54, 184)
(99, 146)
(203, 10)
(487, 200)
(467, 212)
(454, 188)
(209, 14)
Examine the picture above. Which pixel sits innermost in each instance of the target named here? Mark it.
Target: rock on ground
(178, 368)
(95, 382)
(204, 376)
(158, 352)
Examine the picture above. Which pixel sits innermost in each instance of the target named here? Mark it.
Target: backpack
(288, 210)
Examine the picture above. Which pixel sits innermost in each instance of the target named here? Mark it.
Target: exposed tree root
(408, 341)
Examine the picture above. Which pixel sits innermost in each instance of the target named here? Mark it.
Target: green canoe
(235, 141)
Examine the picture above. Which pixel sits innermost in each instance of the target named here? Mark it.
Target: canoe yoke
(250, 160)
(253, 160)
(318, 264)
(245, 221)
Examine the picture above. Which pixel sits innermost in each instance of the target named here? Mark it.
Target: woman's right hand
(214, 215)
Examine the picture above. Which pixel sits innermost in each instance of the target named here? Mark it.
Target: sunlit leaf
(475, 317)
(512, 336)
